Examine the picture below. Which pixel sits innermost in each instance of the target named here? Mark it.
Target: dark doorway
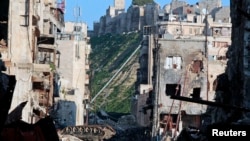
(173, 89)
(196, 93)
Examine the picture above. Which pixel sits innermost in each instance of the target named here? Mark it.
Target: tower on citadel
(119, 4)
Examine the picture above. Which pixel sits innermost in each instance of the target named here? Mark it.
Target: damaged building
(35, 46)
(31, 54)
(181, 56)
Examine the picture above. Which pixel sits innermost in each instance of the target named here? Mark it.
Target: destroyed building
(30, 48)
(30, 54)
(178, 58)
(181, 55)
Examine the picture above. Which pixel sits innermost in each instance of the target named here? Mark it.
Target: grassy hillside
(109, 52)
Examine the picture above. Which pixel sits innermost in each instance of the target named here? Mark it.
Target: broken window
(160, 18)
(195, 20)
(38, 85)
(173, 89)
(147, 30)
(196, 93)
(77, 28)
(216, 31)
(168, 122)
(197, 66)
(172, 62)
(45, 57)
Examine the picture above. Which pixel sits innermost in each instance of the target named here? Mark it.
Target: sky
(92, 10)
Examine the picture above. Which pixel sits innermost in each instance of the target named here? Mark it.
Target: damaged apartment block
(43, 74)
(27, 45)
(177, 79)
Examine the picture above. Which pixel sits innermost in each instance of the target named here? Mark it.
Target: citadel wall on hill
(117, 20)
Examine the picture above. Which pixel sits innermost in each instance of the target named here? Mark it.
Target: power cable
(115, 74)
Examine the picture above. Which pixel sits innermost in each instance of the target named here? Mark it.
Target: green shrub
(109, 52)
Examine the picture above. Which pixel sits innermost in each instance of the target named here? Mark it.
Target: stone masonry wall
(135, 18)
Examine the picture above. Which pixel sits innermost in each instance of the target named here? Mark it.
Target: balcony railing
(56, 16)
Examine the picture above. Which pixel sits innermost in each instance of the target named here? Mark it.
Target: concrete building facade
(181, 55)
(30, 53)
(74, 49)
(32, 34)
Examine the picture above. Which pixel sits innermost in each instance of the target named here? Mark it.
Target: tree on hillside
(141, 2)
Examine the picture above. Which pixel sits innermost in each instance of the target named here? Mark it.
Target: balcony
(46, 48)
(56, 16)
(46, 39)
(47, 54)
